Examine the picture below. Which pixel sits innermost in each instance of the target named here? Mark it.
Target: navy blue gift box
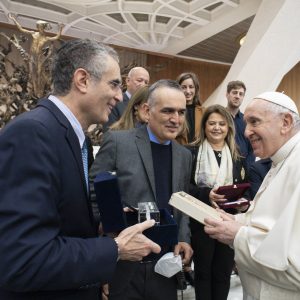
(114, 219)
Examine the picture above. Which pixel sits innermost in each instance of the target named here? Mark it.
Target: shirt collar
(71, 118)
(239, 115)
(154, 139)
(128, 94)
(285, 149)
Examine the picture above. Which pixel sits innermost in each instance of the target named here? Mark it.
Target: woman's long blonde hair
(128, 119)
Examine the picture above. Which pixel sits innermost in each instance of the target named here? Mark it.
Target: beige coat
(182, 138)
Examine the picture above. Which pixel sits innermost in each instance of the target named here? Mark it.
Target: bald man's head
(136, 78)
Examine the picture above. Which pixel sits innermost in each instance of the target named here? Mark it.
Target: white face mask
(168, 265)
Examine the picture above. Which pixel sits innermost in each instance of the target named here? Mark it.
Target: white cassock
(267, 248)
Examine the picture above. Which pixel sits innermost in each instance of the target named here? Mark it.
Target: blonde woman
(216, 162)
(133, 115)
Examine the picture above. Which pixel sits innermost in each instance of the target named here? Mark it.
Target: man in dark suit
(49, 247)
(150, 166)
(136, 78)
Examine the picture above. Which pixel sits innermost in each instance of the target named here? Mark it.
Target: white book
(193, 207)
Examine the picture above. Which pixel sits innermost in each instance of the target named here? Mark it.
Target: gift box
(164, 234)
(109, 202)
(233, 193)
(193, 207)
(114, 219)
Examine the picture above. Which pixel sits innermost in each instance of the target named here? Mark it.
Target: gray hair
(134, 70)
(167, 83)
(278, 110)
(80, 53)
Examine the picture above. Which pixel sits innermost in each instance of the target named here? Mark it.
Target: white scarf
(208, 172)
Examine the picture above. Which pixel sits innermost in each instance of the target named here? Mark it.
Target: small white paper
(168, 265)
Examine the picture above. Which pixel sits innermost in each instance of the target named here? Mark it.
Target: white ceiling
(165, 26)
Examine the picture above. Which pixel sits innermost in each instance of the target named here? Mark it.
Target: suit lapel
(73, 141)
(144, 148)
(71, 137)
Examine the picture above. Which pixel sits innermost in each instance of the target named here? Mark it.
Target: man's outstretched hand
(133, 245)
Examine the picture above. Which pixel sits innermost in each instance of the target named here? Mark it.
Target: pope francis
(266, 239)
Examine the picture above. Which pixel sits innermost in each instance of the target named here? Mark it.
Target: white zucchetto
(279, 99)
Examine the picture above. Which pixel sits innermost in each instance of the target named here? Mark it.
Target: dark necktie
(84, 154)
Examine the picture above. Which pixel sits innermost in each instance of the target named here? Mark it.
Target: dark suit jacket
(48, 243)
(129, 153)
(238, 176)
(90, 151)
(245, 147)
(257, 173)
(116, 112)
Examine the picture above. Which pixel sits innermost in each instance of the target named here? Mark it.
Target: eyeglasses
(115, 84)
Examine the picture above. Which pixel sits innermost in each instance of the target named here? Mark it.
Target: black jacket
(202, 193)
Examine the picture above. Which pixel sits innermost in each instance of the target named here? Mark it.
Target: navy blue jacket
(257, 173)
(202, 193)
(243, 143)
(49, 247)
(116, 112)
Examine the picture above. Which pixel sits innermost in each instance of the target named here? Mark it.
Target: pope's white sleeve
(288, 279)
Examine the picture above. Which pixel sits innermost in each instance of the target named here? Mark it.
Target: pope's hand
(224, 231)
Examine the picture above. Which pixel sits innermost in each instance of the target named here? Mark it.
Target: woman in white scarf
(216, 163)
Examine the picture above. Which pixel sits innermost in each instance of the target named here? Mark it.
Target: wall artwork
(22, 84)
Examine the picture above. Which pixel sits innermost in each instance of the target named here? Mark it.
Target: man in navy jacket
(235, 95)
(49, 247)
